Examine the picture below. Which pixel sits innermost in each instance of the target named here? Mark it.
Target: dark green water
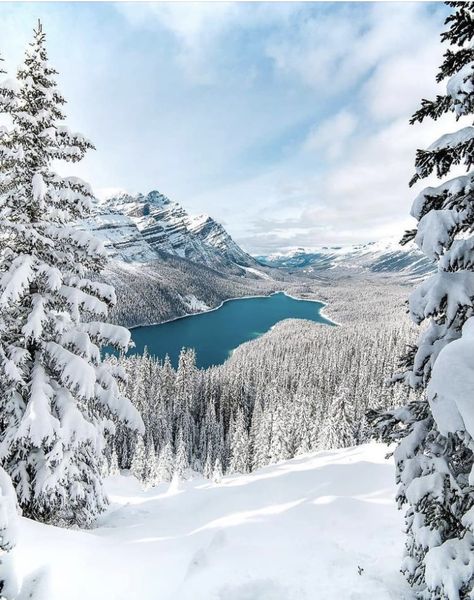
(216, 333)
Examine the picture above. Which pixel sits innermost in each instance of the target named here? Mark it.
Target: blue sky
(287, 121)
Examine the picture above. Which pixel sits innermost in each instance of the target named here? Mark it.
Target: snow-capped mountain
(138, 228)
(378, 257)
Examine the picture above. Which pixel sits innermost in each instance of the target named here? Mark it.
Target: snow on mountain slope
(322, 526)
(121, 237)
(386, 256)
(137, 227)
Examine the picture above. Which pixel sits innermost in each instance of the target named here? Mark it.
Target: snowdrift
(319, 527)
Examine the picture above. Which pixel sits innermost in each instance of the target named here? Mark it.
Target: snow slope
(386, 256)
(297, 530)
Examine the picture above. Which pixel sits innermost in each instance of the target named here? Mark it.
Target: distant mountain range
(168, 263)
(375, 257)
(140, 228)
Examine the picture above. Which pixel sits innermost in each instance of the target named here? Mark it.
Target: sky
(287, 122)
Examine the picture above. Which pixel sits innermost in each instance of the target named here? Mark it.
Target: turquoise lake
(216, 333)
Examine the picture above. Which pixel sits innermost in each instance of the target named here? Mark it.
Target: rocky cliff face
(138, 228)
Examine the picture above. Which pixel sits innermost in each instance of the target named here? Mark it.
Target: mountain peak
(138, 227)
(157, 197)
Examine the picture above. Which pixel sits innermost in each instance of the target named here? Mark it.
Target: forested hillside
(300, 387)
(171, 287)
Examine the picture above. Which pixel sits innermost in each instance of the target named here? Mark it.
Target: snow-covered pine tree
(8, 532)
(7, 91)
(57, 395)
(150, 472)
(262, 435)
(338, 429)
(113, 465)
(209, 462)
(139, 459)
(302, 422)
(280, 436)
(165, 463)
(181, 464)
(434, 457)
(184, 396)
(217, 472)
(239, 445)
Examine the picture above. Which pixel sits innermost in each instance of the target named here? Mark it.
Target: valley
(215, 333)
(167, 264)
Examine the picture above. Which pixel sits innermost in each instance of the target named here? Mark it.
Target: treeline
(158, 291)
(301, 387)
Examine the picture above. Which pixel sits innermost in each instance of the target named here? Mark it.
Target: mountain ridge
(385, 256)
(140, 227)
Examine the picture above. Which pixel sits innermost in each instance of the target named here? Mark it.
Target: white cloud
(331, 136)
(250, 146)
(364, 197)
(200, 28)
(332, 51)
(398, 83)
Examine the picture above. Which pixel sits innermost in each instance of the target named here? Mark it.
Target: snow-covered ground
(195, 304)
(256, 272)
(298, 530)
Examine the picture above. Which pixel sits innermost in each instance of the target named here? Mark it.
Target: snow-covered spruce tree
(7, 92)
(181, 464)
(139, 460)
(165, 463)
(239, 445)
(338, 429)
(57, 396)
(217, 473)
(8, 532)
(434, 457)
(113, 465)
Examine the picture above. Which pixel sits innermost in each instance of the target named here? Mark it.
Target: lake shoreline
(225, 327)
(203, 312)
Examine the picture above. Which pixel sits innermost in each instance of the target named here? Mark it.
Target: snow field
(296, 530)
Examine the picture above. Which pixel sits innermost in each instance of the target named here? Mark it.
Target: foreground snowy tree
(8, 525)
(434, 457)
(57, 396)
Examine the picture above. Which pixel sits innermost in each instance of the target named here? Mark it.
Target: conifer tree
(7, 92)
(139, 460)
(181, 461)
(434, 457)
(217, 472)
(263, 437)
(150, 473)
(165, 463)
(57, 395)
(184, 390)
(279, 445)
(209, 463)
(338, 430)
(239, 446)
(113, 466)
(9, 586)
(303, 423)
